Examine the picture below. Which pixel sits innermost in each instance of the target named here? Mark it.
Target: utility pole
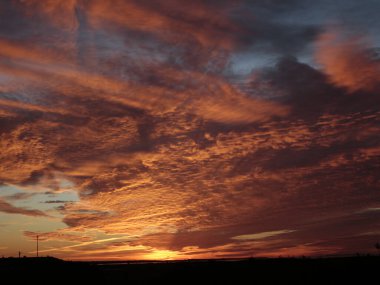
(37, 245)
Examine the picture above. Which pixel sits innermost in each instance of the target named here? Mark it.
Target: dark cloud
(309, 91)
(57, 201)
(303, 87)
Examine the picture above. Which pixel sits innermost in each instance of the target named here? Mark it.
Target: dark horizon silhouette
(334, 270)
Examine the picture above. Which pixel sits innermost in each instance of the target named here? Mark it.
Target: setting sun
(161, 255)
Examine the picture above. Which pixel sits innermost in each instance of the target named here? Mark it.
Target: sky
(175, 129)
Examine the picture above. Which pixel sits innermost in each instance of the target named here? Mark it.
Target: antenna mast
(37, 245)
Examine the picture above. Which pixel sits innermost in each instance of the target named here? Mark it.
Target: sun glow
(162, 255)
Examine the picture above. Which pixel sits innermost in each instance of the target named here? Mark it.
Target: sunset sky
(176, 129)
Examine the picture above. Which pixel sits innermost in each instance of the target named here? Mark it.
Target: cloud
(347, 61)
(190, 19)
(47, 236)
(262, 235)
(56, 201)
(5, 207)
(207, 102)
(60, 13)
(309, 94)
(19, 196)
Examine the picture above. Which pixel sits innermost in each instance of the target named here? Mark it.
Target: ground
(355, 270)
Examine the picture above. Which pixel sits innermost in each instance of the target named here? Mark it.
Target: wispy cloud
(262, 235)
(46, 236)
(5, 207)
(20, 196)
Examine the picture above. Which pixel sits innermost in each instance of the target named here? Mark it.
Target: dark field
(347, 270)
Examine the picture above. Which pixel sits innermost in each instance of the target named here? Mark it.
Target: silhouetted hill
(48, 270)
(356, 270)
(30, 261)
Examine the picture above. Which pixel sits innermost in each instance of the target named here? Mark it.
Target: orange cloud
(347, 61)
(170, 20)
(212, 98)
(56, 236)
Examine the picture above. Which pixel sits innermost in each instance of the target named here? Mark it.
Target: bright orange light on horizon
(162, 255)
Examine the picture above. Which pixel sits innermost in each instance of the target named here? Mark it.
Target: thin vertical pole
(37, 245)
